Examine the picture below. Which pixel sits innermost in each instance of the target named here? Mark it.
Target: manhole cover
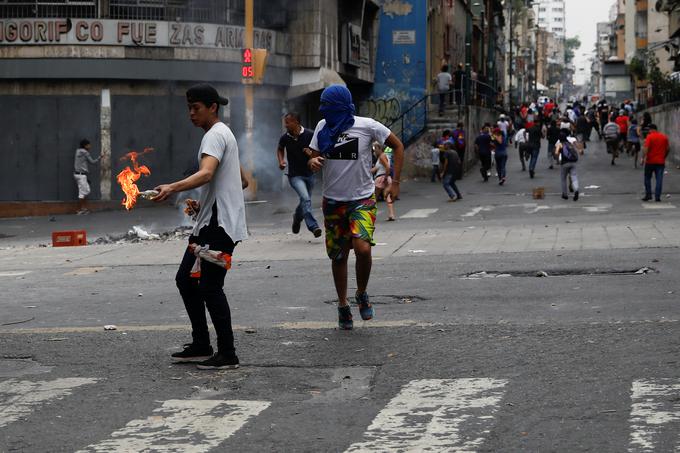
(386, 299)
(560, 273)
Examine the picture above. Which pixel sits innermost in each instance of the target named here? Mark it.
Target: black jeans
(207, 291)
(485, 159)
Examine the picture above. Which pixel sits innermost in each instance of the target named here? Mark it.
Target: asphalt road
(471, 350)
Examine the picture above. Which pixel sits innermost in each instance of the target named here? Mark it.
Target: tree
(571, 45)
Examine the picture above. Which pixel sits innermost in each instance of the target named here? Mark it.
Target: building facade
(115, 72)
(551, 16)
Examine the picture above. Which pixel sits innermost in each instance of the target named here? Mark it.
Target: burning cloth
(203, 252)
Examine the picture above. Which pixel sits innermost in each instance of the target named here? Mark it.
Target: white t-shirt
(521, 136)
(443, 81)
(435, 156)
(225, 187)
(347, 169)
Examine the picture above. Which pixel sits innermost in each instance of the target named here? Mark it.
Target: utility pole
(510, 66)
(248, 161)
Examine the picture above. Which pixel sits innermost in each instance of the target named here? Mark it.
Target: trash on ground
(592, 187)
(542, 274)
(250, 330)
(110, 327)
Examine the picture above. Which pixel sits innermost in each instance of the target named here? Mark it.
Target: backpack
(569, 154)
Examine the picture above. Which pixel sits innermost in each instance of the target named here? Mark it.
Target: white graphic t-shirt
(347, 169)
(225, 187)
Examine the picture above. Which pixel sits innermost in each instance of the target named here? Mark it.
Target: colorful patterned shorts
(345, 220)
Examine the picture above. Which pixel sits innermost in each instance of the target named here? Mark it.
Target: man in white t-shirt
(342, 149)
(220, 225)
(444, 80)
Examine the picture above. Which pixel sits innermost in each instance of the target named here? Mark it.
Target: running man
(293, 145)
(342, 149)
(81, 171)
(220, 223)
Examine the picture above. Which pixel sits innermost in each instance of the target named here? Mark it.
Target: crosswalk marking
(189, 426)
(435, 415)
(655, 415)
(658, 206)
(18, 398)
(419, 213)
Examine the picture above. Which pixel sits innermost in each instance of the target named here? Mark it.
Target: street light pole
(510, 71)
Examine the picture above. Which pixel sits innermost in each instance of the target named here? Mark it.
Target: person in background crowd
(522, 144)
(294, 146)
(654, 156)
(500, 142)
(458, 140)
(644, 126)
(459, 83)
(535, 135)
(633, 143)
(483, 148)
(567, 155)
(81, 172)
(434, 152)
(611, 133)
(383, 180)
(622, 121)
(443, 82)
(451, 171)
(552, 133)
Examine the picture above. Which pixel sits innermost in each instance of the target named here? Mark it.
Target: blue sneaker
(365, 307)
(345, 318)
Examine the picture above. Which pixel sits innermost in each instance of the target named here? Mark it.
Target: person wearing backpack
(567, 155)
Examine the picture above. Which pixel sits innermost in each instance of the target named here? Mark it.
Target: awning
(541, 87)
(305, 81)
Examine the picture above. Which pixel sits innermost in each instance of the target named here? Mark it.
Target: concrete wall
(418, 162)
(667, 118)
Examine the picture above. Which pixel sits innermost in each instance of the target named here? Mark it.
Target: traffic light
(253, 65)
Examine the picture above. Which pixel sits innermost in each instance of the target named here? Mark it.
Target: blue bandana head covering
(338, 111)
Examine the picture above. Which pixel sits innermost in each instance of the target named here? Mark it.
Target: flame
(129, 176)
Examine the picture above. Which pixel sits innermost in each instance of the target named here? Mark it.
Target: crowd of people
(567, 133)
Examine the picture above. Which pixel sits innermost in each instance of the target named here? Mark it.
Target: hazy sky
(582, 17)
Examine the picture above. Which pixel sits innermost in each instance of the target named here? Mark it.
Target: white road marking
(14, 273)
(189, 426)
(435, 415)
(477, 210)
(19, 398)
(655, 415)
(419, 213)
(654, 205)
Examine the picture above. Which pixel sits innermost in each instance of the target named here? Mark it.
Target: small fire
(129, 176)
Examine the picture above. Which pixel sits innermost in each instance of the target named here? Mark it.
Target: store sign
(403, 37)
(129, 33)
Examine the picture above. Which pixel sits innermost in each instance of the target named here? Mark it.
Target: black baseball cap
(206, 94)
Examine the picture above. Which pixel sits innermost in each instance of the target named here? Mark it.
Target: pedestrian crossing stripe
(20, 398)
(429, 415)
(655, 415)
(190, 426)
(419, 213)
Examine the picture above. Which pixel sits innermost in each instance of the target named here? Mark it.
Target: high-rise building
(551, 16)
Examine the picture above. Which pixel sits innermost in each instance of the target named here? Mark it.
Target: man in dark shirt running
(483, 148)
(294, 145)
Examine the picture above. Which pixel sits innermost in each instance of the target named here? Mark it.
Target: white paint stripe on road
(19, 398)
(477, 210)
(658, 206)
(655, 415)
(14, 273)
(419, 213)
(190, 426)
(435, 415)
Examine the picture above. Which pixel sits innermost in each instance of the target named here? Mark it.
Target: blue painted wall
(400, 74)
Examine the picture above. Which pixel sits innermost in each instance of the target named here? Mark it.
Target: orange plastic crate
(69, 238)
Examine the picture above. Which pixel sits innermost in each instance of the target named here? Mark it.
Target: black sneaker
(193, 353)
(647, 198)
(345, 318)
(317, 232)
(565, 196)
(576, 196)
(531, 174)
(296, 226)
(219, 362)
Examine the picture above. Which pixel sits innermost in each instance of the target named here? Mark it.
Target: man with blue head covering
(342, 148)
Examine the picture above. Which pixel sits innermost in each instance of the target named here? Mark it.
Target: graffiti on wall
(384, 110)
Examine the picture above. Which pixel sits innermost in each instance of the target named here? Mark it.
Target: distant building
(551, 16)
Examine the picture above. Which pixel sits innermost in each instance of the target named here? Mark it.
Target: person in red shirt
(654, 156)
(622, 122)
